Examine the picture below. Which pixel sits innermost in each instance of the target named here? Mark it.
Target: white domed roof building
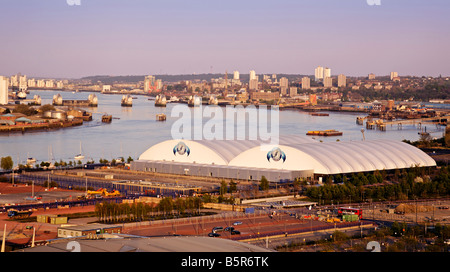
(294, 156)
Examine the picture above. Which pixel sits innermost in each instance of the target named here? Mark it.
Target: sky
(50, 38)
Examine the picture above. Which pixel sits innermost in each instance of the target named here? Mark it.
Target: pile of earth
(411, 208)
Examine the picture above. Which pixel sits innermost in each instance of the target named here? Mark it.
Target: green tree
(46, 107)
(264, 183)
(372, 179)
(233, 187)
(223, 188)
(7, 163)
(166, 205)
(24, 109)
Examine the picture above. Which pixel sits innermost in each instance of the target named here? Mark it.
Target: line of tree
(112, 212)
(403, 185)
(432, 90)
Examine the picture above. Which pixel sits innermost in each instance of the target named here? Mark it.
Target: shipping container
(350, 217)
(42, 218)
(58, 220)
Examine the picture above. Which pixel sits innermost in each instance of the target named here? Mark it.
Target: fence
(56, 204)
(226, 217)
(65, 182)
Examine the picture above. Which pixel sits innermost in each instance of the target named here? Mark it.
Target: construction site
(41, 206)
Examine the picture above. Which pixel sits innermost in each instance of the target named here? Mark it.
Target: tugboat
(106, 118)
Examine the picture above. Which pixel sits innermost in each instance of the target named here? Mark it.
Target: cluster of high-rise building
(151, 84)
(324, 75)
(22, 83)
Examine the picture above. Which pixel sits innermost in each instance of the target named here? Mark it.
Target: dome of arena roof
(296, 153)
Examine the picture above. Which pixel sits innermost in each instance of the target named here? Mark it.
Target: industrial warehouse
(294, 157)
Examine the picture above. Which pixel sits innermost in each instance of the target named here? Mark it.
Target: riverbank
(47, 125)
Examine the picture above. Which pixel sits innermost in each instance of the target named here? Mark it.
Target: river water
(135, 129)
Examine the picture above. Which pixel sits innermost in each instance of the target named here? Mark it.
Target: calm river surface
(134, 129)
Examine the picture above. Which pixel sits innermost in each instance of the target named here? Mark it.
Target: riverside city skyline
(363, 157)
(186, 37)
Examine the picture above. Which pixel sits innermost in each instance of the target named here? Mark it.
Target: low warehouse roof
(144, 244)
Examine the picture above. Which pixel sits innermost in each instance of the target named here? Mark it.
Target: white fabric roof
(298, 153)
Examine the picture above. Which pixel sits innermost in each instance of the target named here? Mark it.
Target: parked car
(229, 229)
(215, 229)
(237, 223)
(213, 234)
(235, 232)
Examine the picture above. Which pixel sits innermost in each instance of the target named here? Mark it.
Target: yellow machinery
(98, 192)
(104, 192)
(113, 193)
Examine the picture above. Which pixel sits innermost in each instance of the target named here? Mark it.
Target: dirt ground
(21, 232)
(8, 188)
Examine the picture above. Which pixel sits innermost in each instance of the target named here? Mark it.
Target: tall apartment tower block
(318, 73)
(306, 83)
(342, 80)
(4, 90)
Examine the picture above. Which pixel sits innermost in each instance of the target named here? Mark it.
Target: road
(254, 228)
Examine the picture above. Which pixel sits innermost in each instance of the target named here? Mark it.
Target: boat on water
(79, 156)
(161, 117)
(31, 161)
(330, 132)
(106, 118)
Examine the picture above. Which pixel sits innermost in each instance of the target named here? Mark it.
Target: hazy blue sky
(49, 38)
